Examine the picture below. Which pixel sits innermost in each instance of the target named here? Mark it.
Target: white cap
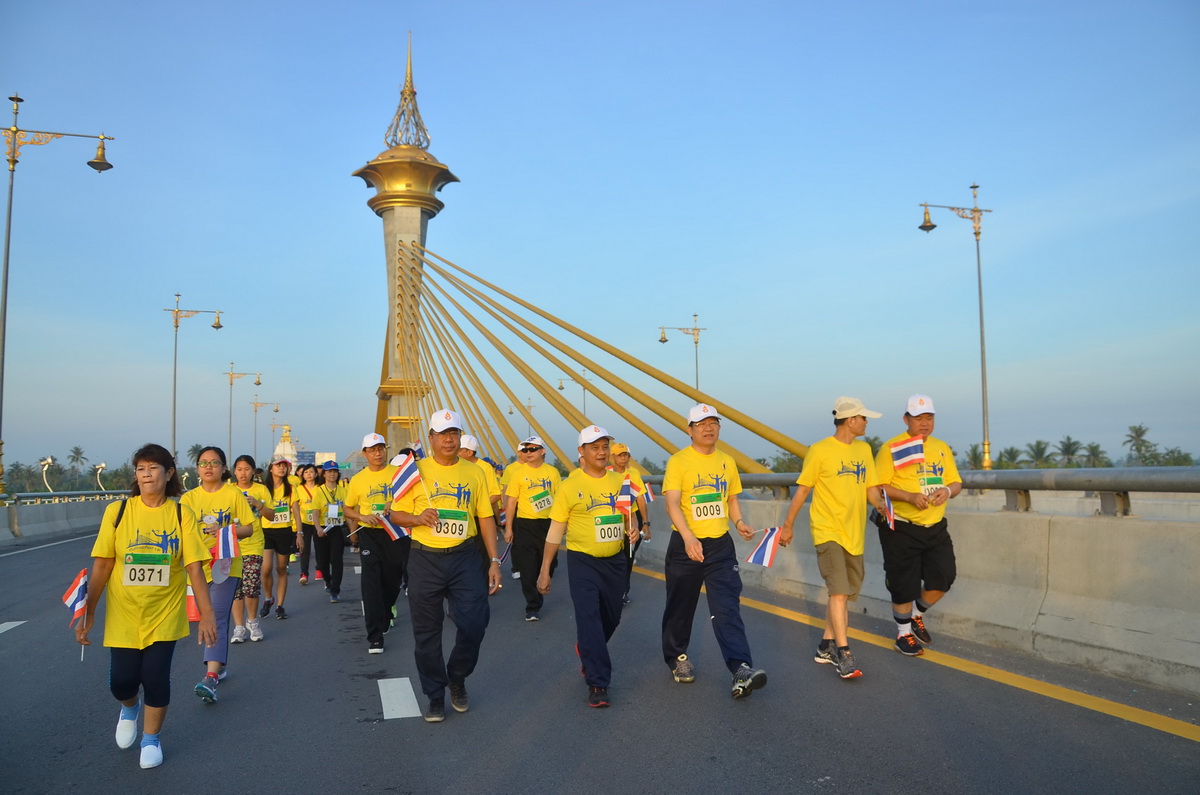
(591, 433)
(469, 442)
(702, 411)
(920, 404)
(275, 460)
(397, 459)
(444, 419)
(372, 439)
(845, 407)
(532, 441)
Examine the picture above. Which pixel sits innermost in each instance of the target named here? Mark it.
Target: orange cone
(192, 611)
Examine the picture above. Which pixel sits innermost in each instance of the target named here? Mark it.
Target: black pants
(723, 584)
(529, 546)
(330, 550)
(459, 578)
(308, 531)
(382, 573)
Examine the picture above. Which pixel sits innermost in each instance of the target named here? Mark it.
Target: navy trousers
(433, 578)
(719, 576)
(596, 588)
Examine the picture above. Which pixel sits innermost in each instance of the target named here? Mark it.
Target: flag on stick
(889, 511)
(649, 493)
(908, 451)
(764, 553)
(407, 475)
(393, 530)
(76, 597)
(418, 450)
(625, 497)
(504, 557)
(227, 543)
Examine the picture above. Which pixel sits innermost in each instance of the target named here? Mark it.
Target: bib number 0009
(708, 506)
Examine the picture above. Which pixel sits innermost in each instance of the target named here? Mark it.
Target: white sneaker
(255, 631)
(151, 756)
(127, 730)
(239, 634)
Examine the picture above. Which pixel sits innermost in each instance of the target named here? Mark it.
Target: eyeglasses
(532, 450)
(207, 464)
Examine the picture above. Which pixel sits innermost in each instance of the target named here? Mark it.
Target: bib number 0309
(451, 523)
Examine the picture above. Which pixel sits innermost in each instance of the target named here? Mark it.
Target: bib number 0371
(147, 570)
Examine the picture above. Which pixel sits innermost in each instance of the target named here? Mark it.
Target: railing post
(1115, 503)
(1017, 500)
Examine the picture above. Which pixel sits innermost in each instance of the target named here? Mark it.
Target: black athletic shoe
(459, 698)
(597, 697)
(266, 608)
(746, 680)
(280, 613)
(918, 629)
(436, 713)
(908, 646)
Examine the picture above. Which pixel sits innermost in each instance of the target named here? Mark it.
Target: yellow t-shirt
(839, 475)
(152, 545)
(369, 492)
(305, 494)
(283, 506)
(224, 506)
(534, 489)
(705, 483)
(489, 477)
(636, 479)
(459, 495)
(588, 506)
(938, 470)
(255, 544)
(323, 498)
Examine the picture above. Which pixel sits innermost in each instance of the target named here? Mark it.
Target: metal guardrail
(1113, 485)
(47, 497)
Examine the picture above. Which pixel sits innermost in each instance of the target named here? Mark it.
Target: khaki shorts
(842, 571)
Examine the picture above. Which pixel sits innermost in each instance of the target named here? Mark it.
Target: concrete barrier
(1119, 595)
(29, 523)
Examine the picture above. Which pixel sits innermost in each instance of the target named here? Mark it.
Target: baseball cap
(443, 420)
(532, 441)
(619, 448)
(920, 404)
(276, 459)
(372, 439)
(845, 407)
(702, 411)
(469, 442)
(591, 433)
(328, 465)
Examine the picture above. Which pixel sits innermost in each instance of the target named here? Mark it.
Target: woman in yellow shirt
(306, 491)
(245, 599)
(279, 518)
(147, 551)
(330, 522)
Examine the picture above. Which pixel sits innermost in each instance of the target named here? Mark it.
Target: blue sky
(623, 164)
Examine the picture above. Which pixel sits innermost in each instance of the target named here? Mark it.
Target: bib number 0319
(708, 506)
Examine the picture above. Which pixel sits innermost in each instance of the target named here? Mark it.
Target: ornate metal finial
(407, 128)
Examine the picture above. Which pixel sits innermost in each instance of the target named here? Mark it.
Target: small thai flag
(407, 475)
(908, 451)
(649, 493)
(764, 553)
(507, 550)
(418, 450)
(889, 511)
(625, 497)
(503, 517)
(76, 597)
(394, 531)
(227, 544)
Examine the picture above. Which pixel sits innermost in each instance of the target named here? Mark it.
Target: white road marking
(398, 698)
(43, 546)
(358, 569)
(7, 625)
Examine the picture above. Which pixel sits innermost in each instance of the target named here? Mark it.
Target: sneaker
(436, 713)
(304, 579)
(280, 613)
(918, 629)
(625, 599)
(375, 647)
(151, 756)
(531, 617)
(333, 599)
(459, 698)
(239, 634)
(224, 672)
(908, 646)
(207, 689)
(127, 730)
(597, 697)
(266, 608)
(319, 576)
(255, 631)
(746, 680)
(516, 575)
(684, 672)
(846, 667)
(826, 655)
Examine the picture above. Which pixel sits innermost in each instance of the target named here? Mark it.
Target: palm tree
(875, 442)
(1094, 456)
(1137, 443)
(194, 453)
(1010, 458)
(1037, 455)
(974, 458)
(76, 458)
(1068, 452)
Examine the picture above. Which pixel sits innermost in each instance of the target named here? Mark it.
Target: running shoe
(459, 698)
(206, 690)
(304, 579)
(846, 667)
(375, 647)
(908, 646)
(531, 616)
(280, 613)
(266, 608)
(151, 756)
(127, 730)
(333, 599)
(597, 697)
(918, 629)
(746, 680)
(224, 672)
(239, 634)
(684, 672)
(436, 713)
(255, 630)
(826, 655)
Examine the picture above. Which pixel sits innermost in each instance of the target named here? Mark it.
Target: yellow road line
(1179, 728)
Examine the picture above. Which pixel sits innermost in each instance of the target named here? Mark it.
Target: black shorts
(916, 557)
(279, 539)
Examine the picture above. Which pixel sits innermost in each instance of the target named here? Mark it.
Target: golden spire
(407, 129)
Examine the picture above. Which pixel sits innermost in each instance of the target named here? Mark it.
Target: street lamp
(100, 468)
(15, 138)
(973, 214)
(694, 332)
(176, 314)
(583, 383)
(529, 406)
(257, 406)
(233, 377)
(45, 464)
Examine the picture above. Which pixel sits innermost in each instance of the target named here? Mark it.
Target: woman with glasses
(245, 598)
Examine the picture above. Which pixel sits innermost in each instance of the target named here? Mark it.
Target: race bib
(609, 528)
(451, 523)
(333, 514)
(147, 570)
(283, 517)
(708, 506)
(541, 501)
(308, 516)
(931, 484)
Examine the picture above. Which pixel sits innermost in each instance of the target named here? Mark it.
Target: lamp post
(974, 214)
(257, 406)
(694, 333)
(233, 377)
(582, 381)
(100, 468)
(176, 314)
(15, 138)
(529, 407)
(45, 464)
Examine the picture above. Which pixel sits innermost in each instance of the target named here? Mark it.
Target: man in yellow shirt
(501, 519)
(368, 497)
(919, 474)
(840, 474)
(622, 464)
(529, 496)
(701, 488)
(449, 513)
(585, 512)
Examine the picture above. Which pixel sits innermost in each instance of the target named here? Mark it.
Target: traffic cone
(192, 611)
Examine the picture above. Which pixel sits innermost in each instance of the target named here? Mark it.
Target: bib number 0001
(609, 528)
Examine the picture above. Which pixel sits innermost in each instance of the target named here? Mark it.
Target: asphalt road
(302, 711)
